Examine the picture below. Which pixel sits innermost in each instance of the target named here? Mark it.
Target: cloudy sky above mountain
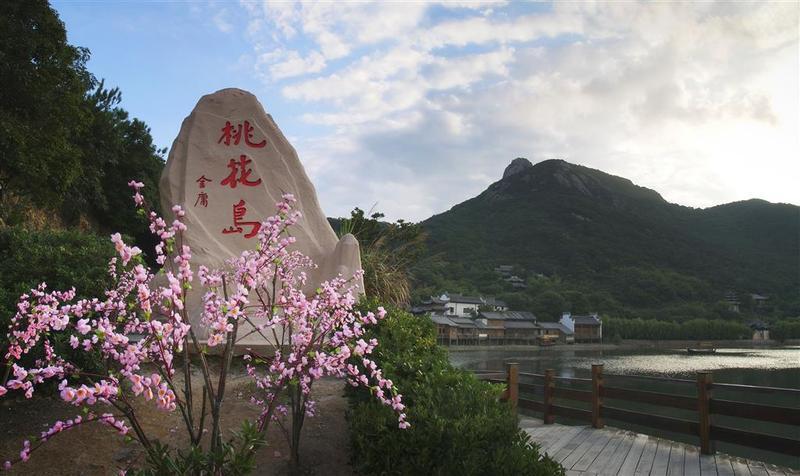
(413, 107)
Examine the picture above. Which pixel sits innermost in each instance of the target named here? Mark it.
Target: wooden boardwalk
(583, 450)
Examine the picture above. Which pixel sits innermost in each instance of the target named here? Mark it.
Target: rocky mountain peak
(522, 178)
(516, 166)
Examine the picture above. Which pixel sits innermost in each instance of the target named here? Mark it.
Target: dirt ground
(97, 450)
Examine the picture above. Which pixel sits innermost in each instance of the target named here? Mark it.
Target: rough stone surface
(516, 166)
(259, 168)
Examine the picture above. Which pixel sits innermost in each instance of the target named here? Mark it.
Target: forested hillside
(587, 241)
(67, 151)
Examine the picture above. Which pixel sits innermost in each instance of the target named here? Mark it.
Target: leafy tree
(66, 147)
(67, 151)
(549, 305)
(786, 329)
(694, 329)
(41, 103)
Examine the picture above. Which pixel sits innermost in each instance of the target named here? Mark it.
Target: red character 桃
(229, 133)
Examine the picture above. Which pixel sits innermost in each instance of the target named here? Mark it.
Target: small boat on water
(691, 351)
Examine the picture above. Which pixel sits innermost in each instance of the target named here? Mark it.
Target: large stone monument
(228, 167)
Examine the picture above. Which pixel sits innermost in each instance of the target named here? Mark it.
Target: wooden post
(597, 399)
(512, 384)
(549, 385)
(704, 383)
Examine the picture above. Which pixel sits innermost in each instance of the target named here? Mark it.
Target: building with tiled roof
(587, 328)
(457, 305)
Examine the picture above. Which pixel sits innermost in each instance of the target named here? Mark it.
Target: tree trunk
(298, 415)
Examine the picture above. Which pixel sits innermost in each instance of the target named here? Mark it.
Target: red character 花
(239, 167)
(229, 133)
(239, 211)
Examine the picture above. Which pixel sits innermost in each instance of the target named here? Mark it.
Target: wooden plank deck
(585, 451)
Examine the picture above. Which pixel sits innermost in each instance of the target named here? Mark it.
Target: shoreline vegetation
(461, 426)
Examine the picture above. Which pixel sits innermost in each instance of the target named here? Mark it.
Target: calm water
(771, 367)
(760, 366)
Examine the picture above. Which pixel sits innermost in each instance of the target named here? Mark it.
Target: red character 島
(239, 211)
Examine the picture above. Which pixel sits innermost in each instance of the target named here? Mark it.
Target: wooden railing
(703, 404)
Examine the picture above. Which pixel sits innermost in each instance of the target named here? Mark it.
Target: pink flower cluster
(88, 395)
(153, 387)
(324, 329)
(139, 322)
(135, 306)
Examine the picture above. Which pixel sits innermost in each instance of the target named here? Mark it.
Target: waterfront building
(458, 305)
(558, 330)
(585, 328)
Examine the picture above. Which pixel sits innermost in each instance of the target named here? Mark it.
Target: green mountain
(587, 240)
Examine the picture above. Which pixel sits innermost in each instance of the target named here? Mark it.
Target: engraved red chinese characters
(235, 134)
(243, 172)
(202, 181)
(239, 211)
(202, 199)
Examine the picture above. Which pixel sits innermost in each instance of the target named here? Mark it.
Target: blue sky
(163, 56)
(414, 107)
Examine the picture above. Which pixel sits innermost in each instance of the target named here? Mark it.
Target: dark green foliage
(67, 152)
(41, 102)
(693, 329)
(62, 259)
(459, 426)
(606, 245)
(234, 457)
(118, 150)
(65, 145)
(787, 329)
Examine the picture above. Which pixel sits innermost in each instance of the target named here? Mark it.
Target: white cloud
(292, 64)
(221, 22)
(463, 71)
(422, 106)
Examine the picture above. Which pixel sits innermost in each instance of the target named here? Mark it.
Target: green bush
(692, 329)
(788, 329)
(233, 458)
(459, 426)
(62, 259)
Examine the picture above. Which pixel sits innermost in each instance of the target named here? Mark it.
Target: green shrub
(233, 458)
(62, 259)
(459, 426)
(787, 329)
(692, 329)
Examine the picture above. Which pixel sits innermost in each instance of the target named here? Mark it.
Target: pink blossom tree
(141, 332)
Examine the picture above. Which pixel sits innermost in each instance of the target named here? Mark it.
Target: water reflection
(773, 366)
